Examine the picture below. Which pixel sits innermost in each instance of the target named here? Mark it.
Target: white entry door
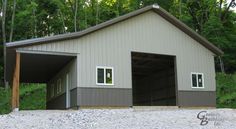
(67, 91)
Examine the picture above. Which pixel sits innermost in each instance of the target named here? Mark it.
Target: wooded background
(26, 19)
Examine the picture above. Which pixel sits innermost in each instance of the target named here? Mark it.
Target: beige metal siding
(148, 33)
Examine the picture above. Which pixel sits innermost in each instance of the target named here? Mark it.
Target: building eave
(155, 8)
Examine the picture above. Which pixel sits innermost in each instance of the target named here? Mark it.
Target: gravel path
(119, 119)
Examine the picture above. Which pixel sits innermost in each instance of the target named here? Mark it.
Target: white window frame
(104, 68)
(197, 73)
(59, 87)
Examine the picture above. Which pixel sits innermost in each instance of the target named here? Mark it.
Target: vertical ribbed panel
(148, 33)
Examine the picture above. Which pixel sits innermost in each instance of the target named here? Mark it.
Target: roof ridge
(155, 7)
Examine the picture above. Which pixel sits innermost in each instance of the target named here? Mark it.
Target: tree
(75, 17)
(225, 12)
(12, 20)
(4, 11)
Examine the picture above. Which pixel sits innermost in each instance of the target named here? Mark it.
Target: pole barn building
(144, 58)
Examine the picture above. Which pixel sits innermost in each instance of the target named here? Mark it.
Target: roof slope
(155, 8)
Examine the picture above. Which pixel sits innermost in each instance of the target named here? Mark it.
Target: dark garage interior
(153, 80)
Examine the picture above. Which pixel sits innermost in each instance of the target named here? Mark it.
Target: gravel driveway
(120, 119)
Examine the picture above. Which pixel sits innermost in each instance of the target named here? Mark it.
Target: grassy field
(33, 96)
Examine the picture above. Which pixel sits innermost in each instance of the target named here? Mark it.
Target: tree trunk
(221, 65)
(86, 20)
(227, 10)
(197, 26)
(220, 8)
(63, 21)
(117, 8)
(75, 16)
(72, 6)
(180, 9)
(12, 21)
(4, 10)
(35, 24)
(97, 12)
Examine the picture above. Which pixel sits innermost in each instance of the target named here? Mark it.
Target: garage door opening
(153, 80)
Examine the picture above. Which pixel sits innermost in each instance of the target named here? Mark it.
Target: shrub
(226, 90)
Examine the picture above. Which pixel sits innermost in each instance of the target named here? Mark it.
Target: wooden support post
(15, 84)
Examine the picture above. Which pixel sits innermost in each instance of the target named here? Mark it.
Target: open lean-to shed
(144, 58)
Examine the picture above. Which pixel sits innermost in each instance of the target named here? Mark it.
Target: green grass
(32, 97)
(226, 90)
(5, 100)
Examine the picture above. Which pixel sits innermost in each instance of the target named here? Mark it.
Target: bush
(226, 90)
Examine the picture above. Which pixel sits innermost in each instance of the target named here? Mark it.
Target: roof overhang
(37, 67)
(155, 8)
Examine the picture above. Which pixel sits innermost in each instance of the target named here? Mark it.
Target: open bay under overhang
(37, 67)
(32, 67)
